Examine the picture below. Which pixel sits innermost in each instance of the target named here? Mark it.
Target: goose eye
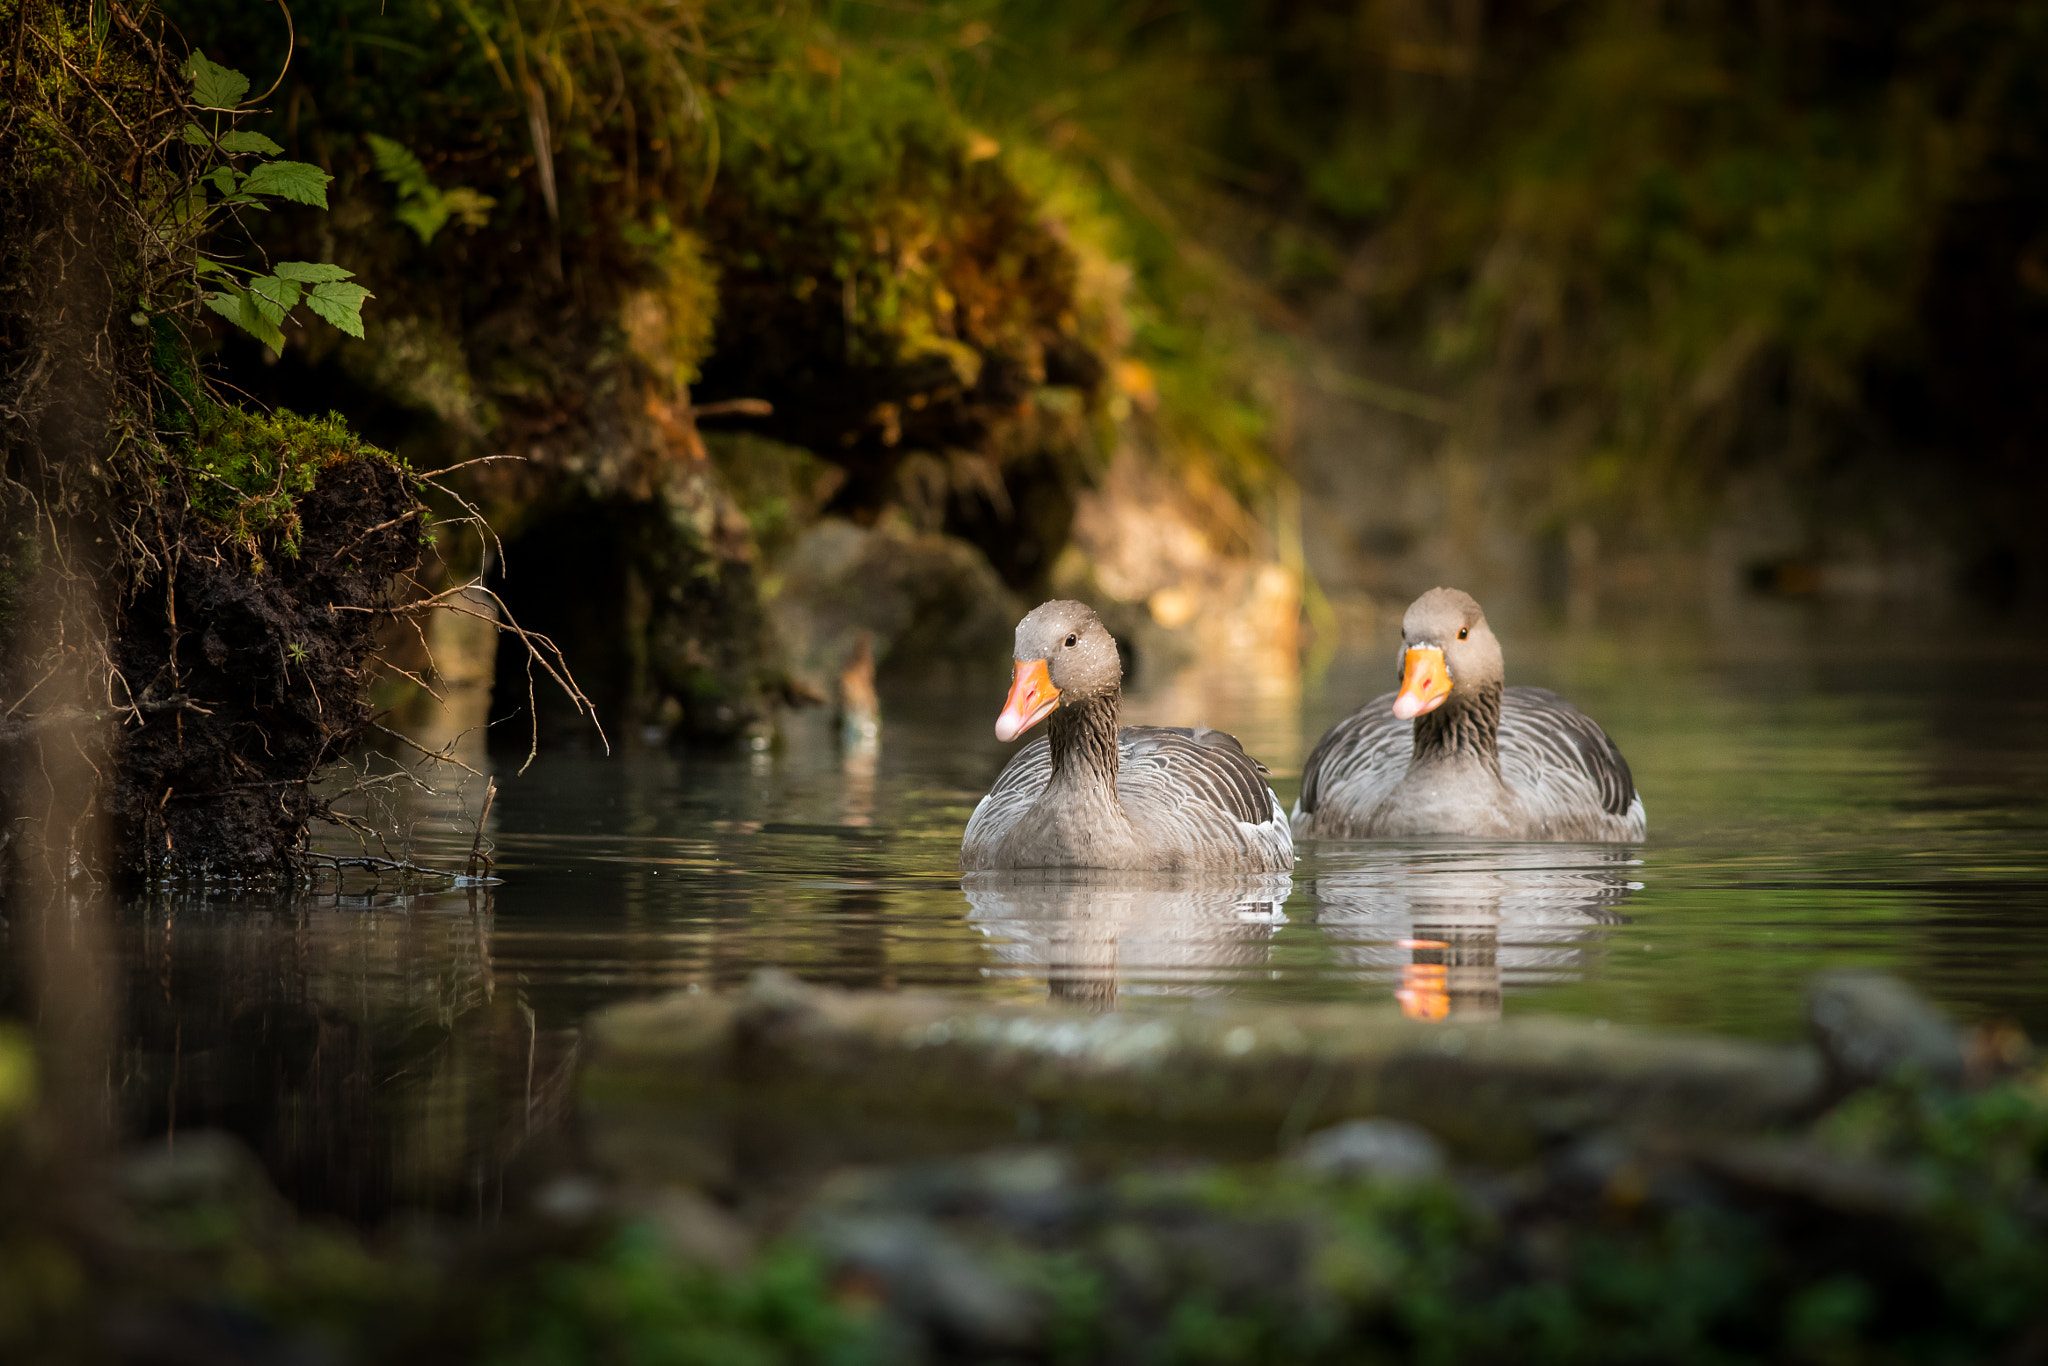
(1072, 639)
(1464, 631)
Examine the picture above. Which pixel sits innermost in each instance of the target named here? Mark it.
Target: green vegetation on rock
(247, 472)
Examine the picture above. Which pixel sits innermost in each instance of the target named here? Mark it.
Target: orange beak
(1032, 698)
(1425, 682)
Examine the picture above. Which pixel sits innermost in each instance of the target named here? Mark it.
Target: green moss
(17, 1072)
(634, 1301)
(247, 471)
(848, 180)
(781, 488)
(21, 556)
(244, 471)
(100, 83)
(181, 400)
(669, 322)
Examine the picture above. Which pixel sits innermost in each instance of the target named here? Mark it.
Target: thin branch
(463, 465)
(381, 526)
(444, 756)
(476, 846)
(291, 45)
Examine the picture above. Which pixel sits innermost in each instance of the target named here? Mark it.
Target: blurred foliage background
(1651, 300)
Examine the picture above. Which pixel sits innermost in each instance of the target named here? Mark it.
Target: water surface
(1816, 797)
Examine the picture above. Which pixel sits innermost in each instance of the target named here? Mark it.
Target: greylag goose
(1454, 752)
(1089, 795)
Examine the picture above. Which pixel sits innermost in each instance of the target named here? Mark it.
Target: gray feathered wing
(1354, 766)
(1015, 789)
(1565, 769)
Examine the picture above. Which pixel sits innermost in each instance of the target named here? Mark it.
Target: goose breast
(1561, 776)
(1194, 800)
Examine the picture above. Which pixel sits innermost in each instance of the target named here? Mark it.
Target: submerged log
(722, 1088)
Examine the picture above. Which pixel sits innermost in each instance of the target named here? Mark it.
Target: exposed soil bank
(262, 679)
(227, 687)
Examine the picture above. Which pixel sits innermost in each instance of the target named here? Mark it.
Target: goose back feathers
(1481, 760)
(1092, 794)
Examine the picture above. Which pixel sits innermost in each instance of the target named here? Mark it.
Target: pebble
(1385, 1149)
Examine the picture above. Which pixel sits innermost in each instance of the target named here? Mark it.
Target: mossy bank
(190, 590)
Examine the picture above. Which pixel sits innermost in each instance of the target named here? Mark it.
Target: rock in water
(1870, 1027)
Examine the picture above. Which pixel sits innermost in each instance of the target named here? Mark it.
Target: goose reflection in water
(1096, 935)
(1452, 927)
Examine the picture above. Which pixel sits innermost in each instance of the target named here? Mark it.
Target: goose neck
(1466, 726)
(1083, 737)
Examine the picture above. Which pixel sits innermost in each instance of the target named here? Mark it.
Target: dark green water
(1869, 794)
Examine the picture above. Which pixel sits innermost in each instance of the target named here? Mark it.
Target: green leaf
(223, 179)
(195, 135)
(311, 272)
(266, 307)
(341, 304)
(214, 86)
(424, 215)
(399, 167)
(297, 181)
(207, 266)
(245, 311)
(283, 293)
(245, 141)
(422, 207)
(189, 207)
(471, 207)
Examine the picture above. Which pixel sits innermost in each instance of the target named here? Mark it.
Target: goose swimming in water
(1090, 795)
(1454, 752)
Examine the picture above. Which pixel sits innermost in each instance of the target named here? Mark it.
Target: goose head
(1446, 646)
(1064, 654)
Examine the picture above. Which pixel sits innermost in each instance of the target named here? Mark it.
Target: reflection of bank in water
(361, 1044)
(1452, 927)
(1096, 935)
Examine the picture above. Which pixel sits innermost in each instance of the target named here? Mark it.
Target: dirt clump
(259, 677)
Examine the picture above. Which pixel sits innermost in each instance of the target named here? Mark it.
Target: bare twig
(463, 465)
(439, 756)
(399, 520)
(384, 865)
(734, 407)
(291, 45)
(476, 846)
(538, 650)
